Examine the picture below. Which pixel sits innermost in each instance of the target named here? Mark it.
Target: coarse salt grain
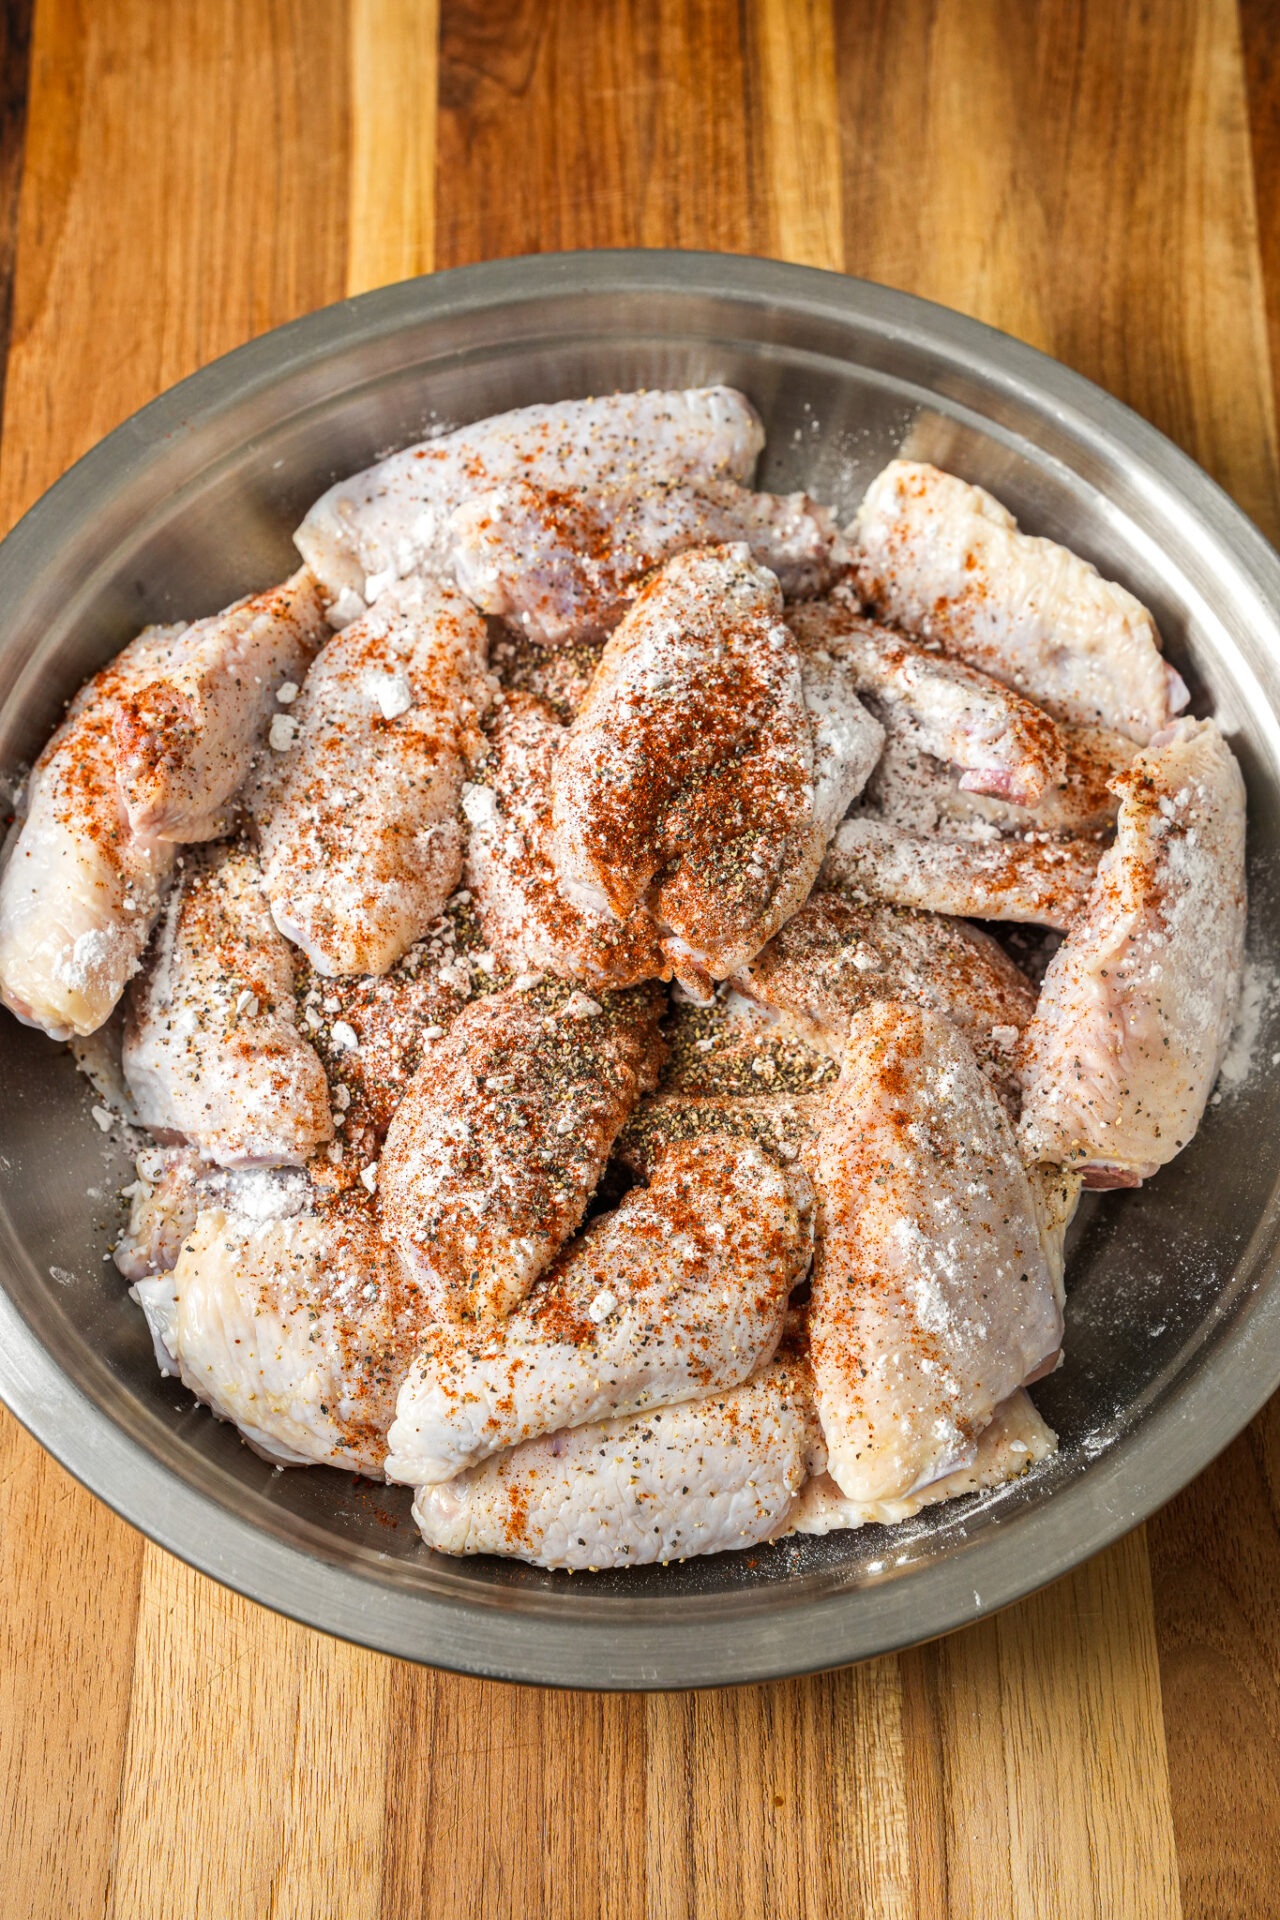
(283, 732)
(288, 693)
(247, 1003)
(103, 1118)
(345, 1036)
(580, 1006)
(601, 1307)
(369, 1175)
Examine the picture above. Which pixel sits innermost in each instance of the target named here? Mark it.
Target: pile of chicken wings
(542, 939)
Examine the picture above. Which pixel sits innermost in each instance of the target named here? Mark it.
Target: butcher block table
(177, 176)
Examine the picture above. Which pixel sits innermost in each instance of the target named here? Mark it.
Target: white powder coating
(699, 1478)
(1138, 1003)
(392, 519)
(358, 823)
(678, 1293)
(1259, 987)
(944, 560)
(212, 1051)
(932, 1296)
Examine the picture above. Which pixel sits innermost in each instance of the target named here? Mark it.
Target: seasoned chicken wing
(502, 1137)
(913, 790)
(80, 890)
(1000, 743)
(701, 777)
(299, 1327)
(528, 918)
(1043, 882)
(698, 1478)
(839, 953)
(678, 1293)
(357, 810)
(1138, 1003)
(162, 1211)
(944, 560)
(932, 1297)
(185, 738)
(212, 1050)
(392, 519)
(565, 563)
(1016, 1440)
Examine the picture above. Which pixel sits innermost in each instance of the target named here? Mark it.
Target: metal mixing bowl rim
(600, 1647)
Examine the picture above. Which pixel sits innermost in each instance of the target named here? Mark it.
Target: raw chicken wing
(701, 778)
(212, 1051)
(185, 739)
(698, 1478)
(1016, 1440)
(1001, 743)
(944, 560)
(299, 1328)
(528, 917)
(678, 1293)
(1138, 1004)
(932, 1297)
(393, 519)
(502, 1137)
(80, 890)
(1043, 882)
(564, 564)
(357, 810)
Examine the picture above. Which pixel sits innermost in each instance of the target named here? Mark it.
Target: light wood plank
(274, 1726)
(795, 49)
(391, 235)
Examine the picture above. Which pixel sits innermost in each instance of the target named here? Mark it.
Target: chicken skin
(678, 1293)
(298, 1328)
(697, 779)
(503, 1134)
(701, 1477)
(393, 519)
(1000, 743)
(1044, 883)
(945, 561)
(913, 790)
(1138, 1004)
(932, 1297)
(564, 564)
(840, 953)
(212, 1050)
(80, 890)
(185, 739)
(527, 916)
(1016, 1440)
(357, 809)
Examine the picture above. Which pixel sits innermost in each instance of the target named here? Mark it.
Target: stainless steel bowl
(1173, 1323)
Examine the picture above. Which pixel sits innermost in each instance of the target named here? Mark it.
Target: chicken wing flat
(297, 1329)
(696, 779)
(932, 1297)
(185, 739)
(212, 1050)
(943, 560)
(702, 1477)
(839, 953)
(678, 1293)
(80, 890)
(502, 1137)
(564, 564)
(393, 519)
(357, 809)
(1138, 1003)
(1042, 882)
(1000, 743)
(528, 918)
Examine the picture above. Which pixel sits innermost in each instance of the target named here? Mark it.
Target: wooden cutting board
(1098, 179)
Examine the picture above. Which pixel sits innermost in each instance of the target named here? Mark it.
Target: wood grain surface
(1099, 179)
